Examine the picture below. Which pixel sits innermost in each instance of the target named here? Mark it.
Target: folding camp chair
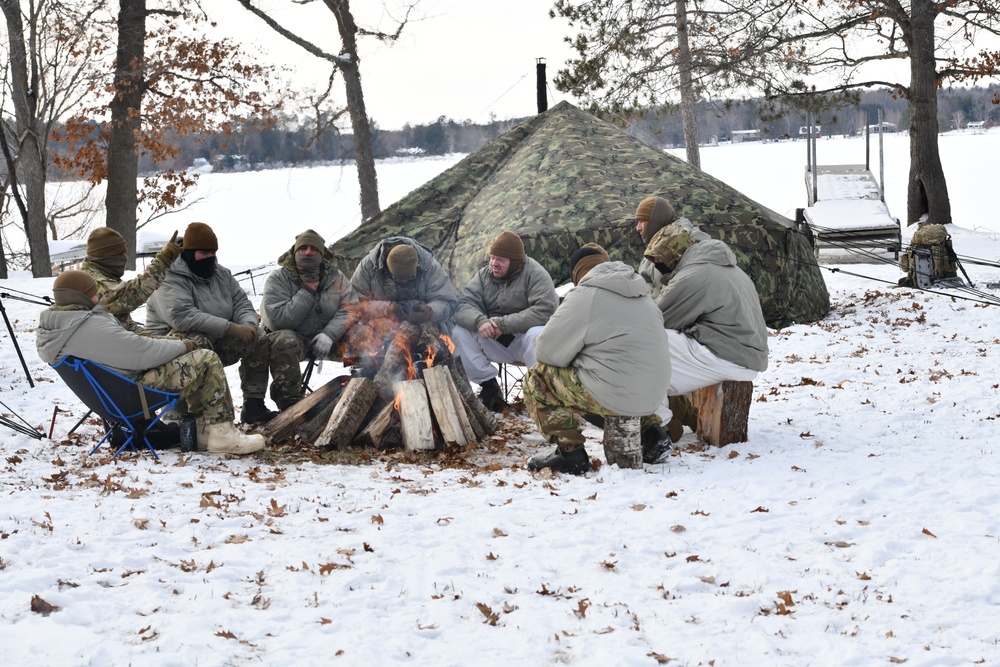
(127, 407)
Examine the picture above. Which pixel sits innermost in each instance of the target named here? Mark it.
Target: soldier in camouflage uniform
(711, 311)
(77, 326)
(304, 312)
(602, 352)
(201, 300)
(651, 215)
(400, 281)
(105, 263)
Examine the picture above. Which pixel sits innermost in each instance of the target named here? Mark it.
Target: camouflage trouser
(201, 380)
(286, 350)
(252, 357)
(554, 396)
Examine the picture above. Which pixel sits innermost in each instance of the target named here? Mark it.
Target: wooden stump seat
(723, 412)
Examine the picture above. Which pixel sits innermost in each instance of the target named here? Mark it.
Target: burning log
(415, 415)
(315, 405)
(397, 360)
(448, 407)
(357, 399)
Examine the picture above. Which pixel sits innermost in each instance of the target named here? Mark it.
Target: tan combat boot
(224, 438)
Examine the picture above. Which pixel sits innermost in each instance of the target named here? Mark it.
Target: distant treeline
(286, 143)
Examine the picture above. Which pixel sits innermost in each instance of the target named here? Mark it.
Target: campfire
(409, 390)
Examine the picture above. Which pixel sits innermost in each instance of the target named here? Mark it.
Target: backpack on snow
(929, 258)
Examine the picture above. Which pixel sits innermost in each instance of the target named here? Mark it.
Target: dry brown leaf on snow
(140, 523)
(275, 509)
(638, 507)
(581, 608)
(237, 539)
(760, 508)
(927, 532)
(491, 616)
(225, 634)
(786, 597)
(491, 556)
(378, 519)
(610, 565)
(863, 576)
(678, 528)
(40, 606)
(659, 657)
(734, 454)
(499, 533)
(839, 543)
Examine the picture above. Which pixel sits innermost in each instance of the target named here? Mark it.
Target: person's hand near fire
(414, 312)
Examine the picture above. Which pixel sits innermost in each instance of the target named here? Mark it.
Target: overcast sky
(463, 59)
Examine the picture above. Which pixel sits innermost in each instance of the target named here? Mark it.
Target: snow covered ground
(857, 526)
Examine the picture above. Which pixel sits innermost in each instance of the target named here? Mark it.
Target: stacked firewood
(419, 390)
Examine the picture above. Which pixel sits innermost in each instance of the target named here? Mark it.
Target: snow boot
(255, 412)
(574, 462)
(491, 395)
(655, 445)
(224, 438)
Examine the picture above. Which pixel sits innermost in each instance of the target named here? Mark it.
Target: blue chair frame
(125, 405)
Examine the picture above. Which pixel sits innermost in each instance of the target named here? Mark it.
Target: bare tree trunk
(364, 156)
(30, 139)
(689, 116)
(926, 191)
(122, 199)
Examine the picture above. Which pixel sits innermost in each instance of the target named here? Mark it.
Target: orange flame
(448, 343)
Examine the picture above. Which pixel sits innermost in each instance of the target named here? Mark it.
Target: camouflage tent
(565, 178)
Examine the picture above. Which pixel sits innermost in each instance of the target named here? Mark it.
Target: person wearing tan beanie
(105, 262)
(201, 300)
(501, 312)
(77, 326)
(304, 312)
(711, 311)
(400, 281)
(602, 353)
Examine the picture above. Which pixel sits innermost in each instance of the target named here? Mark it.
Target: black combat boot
(255, 412)
(655, 445)
(491, 395)
(575, 462)
(596, 420)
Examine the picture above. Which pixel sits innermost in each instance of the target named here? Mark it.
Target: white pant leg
(526, 346)
(482, 351)
(693, 366)
(469, 346)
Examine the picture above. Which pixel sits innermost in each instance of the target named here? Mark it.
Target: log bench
(723, 412)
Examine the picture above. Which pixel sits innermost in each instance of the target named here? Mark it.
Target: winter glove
(321, 344)
(189, 345)
(169, 252)
(419, 314)
(241, 332)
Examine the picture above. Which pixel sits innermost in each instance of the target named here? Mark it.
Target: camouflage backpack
(930, 243)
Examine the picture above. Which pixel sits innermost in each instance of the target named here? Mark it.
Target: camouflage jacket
(712, 300)
(431, 286)
(525, 300)
(609, 330)
(187, 303)
(97, 335)
(289, 305)
(121, 297)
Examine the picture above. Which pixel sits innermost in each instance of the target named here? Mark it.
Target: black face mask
(203, 268)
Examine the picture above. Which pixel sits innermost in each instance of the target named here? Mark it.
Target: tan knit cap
(657, 212)
(509, 245)
(199, 236)
(585, 259)
(402, 261)
(105, 242)
(68, 285)
(309, 237)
